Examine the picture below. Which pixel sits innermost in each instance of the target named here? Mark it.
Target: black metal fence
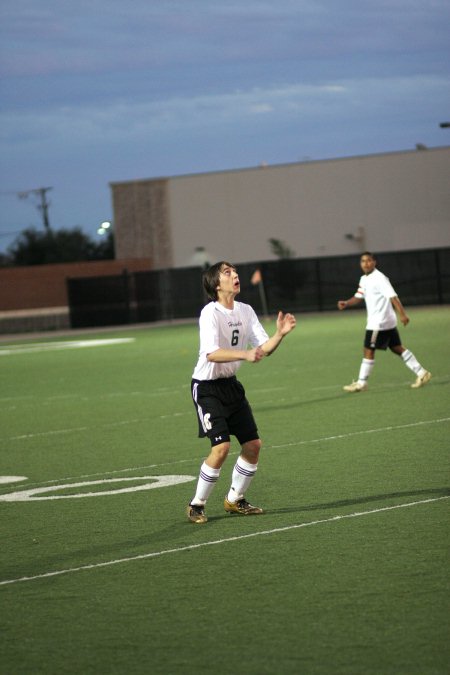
(300, 285)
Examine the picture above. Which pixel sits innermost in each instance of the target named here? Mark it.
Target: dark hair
(371, 255)
(211, 278)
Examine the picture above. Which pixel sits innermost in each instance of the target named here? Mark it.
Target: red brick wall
(45, 285)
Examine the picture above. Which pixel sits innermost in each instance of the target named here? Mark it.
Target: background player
(381, 329)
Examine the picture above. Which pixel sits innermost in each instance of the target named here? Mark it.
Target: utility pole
(43, 202)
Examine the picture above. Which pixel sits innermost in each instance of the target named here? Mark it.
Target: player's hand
(285, 323)
(342, 304)
(255, 355)
(404, 319)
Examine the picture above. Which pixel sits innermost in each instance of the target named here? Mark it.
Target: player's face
(367, 263)
(229, 280)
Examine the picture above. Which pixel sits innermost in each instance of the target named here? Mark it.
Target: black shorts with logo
(223, 410)
(382, 339)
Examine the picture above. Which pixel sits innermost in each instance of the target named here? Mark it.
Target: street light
(104, 227)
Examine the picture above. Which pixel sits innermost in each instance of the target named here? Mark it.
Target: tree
(280, 249)
(36, 247)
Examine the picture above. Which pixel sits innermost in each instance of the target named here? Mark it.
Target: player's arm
(217, 354)
(285, 324)
(227, 355)
(396, 303)
(351, 302)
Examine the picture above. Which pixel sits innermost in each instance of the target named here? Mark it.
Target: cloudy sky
(98, 91)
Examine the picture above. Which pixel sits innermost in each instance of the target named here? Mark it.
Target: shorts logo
(205, 419)
(218, 438)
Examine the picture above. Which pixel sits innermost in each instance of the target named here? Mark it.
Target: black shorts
(223, 410)
(382, 339)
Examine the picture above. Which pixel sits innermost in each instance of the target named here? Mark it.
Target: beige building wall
(383, 202)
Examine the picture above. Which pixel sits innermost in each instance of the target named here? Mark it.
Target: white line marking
(181, 414)
(110, 425)
(267, 447)
(363, 431)
(157, 482)
(11, 479)
(68, 344)
(43, 400)
(191, 547)
(107, 395)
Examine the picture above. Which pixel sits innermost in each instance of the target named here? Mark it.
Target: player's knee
(250, 450)
(220, 452)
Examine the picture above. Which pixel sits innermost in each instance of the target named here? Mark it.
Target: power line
(43, 204)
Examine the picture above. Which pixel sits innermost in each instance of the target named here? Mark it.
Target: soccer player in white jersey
(382, 304)
(230, 333)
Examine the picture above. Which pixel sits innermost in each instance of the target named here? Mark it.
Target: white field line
(161, 391)
(191, 547)
(363, 431)
(30, 347)
(322, 439)
(170, 391)
(69, 430)
(109, 425)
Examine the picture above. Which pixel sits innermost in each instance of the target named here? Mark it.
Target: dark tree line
(42, 247)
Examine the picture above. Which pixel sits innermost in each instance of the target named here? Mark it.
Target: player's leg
(213, 425)
(244, 470)
(242, 476)
(422, 375)
(367, 364)
(207, 479)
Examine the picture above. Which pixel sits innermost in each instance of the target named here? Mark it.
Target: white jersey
(377, 291)
(222, 328)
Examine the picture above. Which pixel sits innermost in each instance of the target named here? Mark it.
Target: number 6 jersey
(221, 328)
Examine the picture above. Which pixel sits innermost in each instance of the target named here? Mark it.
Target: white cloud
(139, 120)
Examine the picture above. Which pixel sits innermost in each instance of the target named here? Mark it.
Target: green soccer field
(347, 571)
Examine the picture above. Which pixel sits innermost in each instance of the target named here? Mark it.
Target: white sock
(241, 478)
(365, 370)
(207, 479)
(410, 360)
